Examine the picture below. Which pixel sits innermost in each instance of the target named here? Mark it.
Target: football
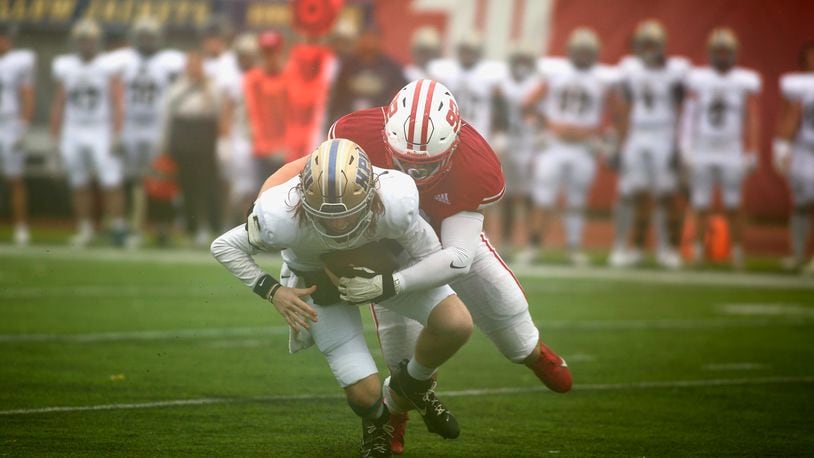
(379, 257)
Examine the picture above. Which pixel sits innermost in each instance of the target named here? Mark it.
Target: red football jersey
(474, 181)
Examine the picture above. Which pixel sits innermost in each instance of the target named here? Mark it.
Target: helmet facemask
(425, 170)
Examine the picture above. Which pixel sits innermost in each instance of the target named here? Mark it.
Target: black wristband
(264, 286)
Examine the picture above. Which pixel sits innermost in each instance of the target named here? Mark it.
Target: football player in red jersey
(458, 176)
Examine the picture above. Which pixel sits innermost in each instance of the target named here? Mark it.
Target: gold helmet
(87, 29)
(583, 47)
(338, 187)
(650, 30)
(723, 38)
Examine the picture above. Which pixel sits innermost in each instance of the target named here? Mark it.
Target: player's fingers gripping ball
(365, 274)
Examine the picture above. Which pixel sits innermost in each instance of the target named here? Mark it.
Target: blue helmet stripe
(332, 191)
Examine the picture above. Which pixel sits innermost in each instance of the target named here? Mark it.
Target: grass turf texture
(217, 340)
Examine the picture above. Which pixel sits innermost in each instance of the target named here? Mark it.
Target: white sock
(391, 404)
(85, 226)
(574, 221)
(621, 220)
(418, 371)
(800, 225)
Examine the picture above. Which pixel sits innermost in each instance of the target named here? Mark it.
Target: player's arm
(438, 266)
(687, 128)
(284, 173)
(752, 131)
(235, 250)
(117, 104)
(226, 114)
(617, 113)
(57, 110)
(533, 99)
(787, 126)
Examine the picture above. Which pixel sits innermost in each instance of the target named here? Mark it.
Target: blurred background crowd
(639, 124)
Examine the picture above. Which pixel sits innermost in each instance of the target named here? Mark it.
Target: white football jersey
(145, 80)
(413, 72)
(232, 87)
(575, 97)
(472, 88)
(514, 92)
(799, 87)
(302, 245)
(720, 103)
(652, 91)
(223, 66)
(87, 88)
(16, 70)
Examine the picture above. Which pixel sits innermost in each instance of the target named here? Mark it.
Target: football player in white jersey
(16, 111)
(719, 137)
(652, 86)
(341, 202)
(518, 150)
(577, 96)
(472, 79)
(219, 60)
(86, 117)
(234, 141)
(794, 154)
(146, 73)
(425, 47)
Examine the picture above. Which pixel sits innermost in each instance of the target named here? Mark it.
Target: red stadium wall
(770, 31)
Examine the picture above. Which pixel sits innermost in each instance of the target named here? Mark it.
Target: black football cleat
(421, 394)
(376, 437)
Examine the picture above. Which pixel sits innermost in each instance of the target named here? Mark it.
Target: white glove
(781, 155)
(367, 287)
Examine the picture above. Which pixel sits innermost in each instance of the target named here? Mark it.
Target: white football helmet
(421, 130)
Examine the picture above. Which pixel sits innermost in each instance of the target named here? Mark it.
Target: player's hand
(366, 287)
(224, 150)
(297, 313)
(750, 162)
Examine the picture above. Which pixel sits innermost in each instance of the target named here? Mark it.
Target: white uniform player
(719, 114)
(332, 205)
(425, 47)
(473, 82)
(575, 96)
(794, 156)
(87, 115)
(652, 84)
(86, 134)
(145, 79)
(16, 108)
(235, 148)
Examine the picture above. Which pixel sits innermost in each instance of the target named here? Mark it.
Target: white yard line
(651, 276)
(254, 331)
(459, 393)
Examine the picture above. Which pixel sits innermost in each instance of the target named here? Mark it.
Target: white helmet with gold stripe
(338, 187)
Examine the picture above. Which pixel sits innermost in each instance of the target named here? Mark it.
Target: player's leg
(12, 158)
(801, 182)
(666, 213)
(111, 178)
(139, 153)
(447, 327)
(75, 157)
(545, 182)
(500, 309)
(579, 178)
(701, 188)
(731, 182)
(243, 187)
(631, 182)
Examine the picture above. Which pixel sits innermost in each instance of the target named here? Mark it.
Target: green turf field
(165, 354)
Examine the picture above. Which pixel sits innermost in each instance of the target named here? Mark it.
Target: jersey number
(574, 100)
(143, 92)
(84, 98)
(716, 113)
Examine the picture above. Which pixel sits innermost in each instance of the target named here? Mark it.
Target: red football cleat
(552, 370)
(399, 423)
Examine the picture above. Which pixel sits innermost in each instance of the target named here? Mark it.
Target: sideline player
(16, 112)
(339, 202)
(720, 137)
(146, 73)
(578, 94)
(520, 142)
(86, 116)
(458, 177)
(234, 142)
(794, 154)
(425, 46)
(652, 85)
